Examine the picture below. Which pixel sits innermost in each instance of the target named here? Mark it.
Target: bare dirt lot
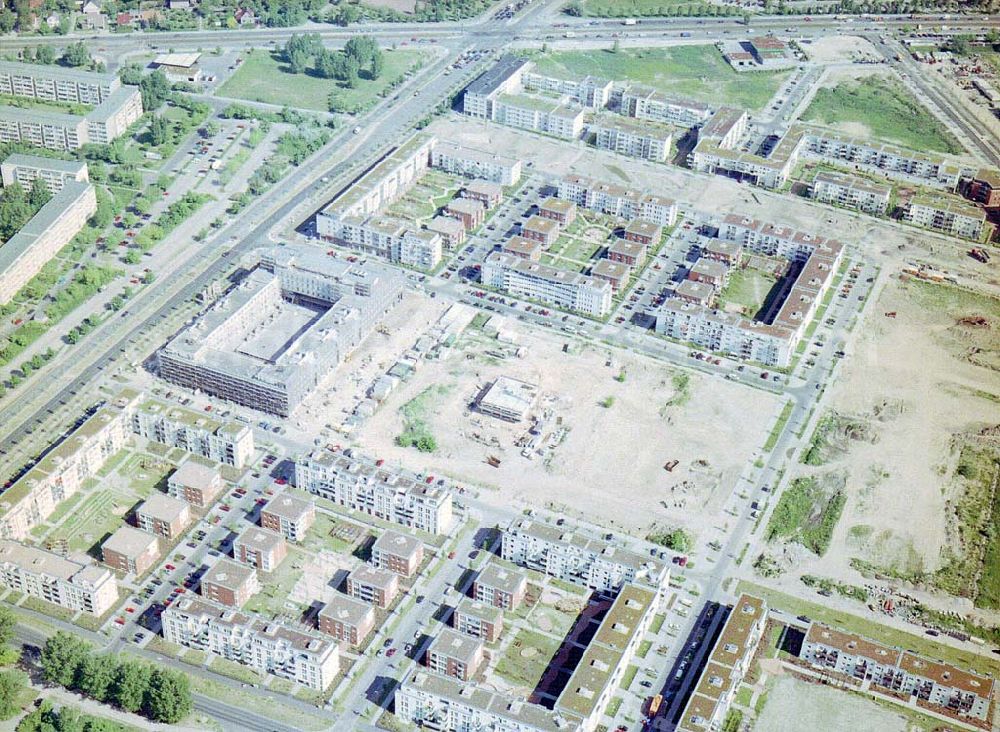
(612, 437)
(796, 706)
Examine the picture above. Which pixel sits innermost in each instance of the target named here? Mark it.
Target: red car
(170, 567)
(390, 653)
(120, 621)
(281, 481)
(224, 507)
(130, 609)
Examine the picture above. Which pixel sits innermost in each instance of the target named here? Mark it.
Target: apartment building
(25, 169)
(480, 98)
(70, 583)
(472, 163)
(163, 515)
(575, 557)
(931, 684)
(558, 209)
(53, 83)
(478, 620)
(40, 239)
(615, 274)
(531, 279)
(538, 114)
(399, 553)
(709, 272)
(726, 128)
(197, 481)
(61, 471)
(724, 332)
(983, 187)
(642, 232)
(646, 103)
(229, 583)
(390, 494)
(488, 192)
(637, 139)
(542, 229)
(499, 587)
(388, 238)
(718, 151)
(230, 443)
(695, 292)
(446, 704)
(728, 663)
(60, 131)
(289, 516)
(346, 619)
(722, 250)
(773, 240)
(260, 548)
(111, 118)
(264, 646)
(455, 654)
(851, 191)
(518, 246)
(375, 586)
(470, 211)
(598, 675)
(131, 550)
(617, 201)
(451, 231)
(946, 215)
(590, 91)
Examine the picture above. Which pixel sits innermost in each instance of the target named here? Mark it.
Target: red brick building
(375, 586)
(131, 550)
(347, 619)
(455, 654)
(229, 583)
(489, 193)
(523, 248)
(478, 620)
(399, 553)
(627, 252)
(162, 515)
(544, 231)
(259, 548)
(984, 188)
(558, 209)
(197, 481)
(500, 587)
(644, 232)
(470, 212)
(288, 516)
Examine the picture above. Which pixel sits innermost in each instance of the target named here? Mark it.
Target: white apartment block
(771, 239)
(649, 140)
(49, 230)
(25, 169)
(38, 128)
(265, 646)
(476, 164)
(61, 472)
(539, 115)
(949, 216)
(618, 201)
(726, 127)
(526, 278)
(112, 118)
(590, 91)
(645, 103)
(74, 585)
(504, 77)
(56, 83)
(388, 493)
(575, 557)
(851, 192)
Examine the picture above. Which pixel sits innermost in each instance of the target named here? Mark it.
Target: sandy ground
(797, 706)
(837, 49)
(610, 462)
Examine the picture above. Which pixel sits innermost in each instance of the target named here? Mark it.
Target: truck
(629, 21)
(654, 704)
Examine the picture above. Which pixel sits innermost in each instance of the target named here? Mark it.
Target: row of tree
(12, 681)
(361, 54)
(18, 206)
(161, 694)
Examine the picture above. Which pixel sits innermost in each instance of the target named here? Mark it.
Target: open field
(806, 513)
(746, 290)
(696, 72)
(712, 431)
(264, 77)
(880, 107)
(798, 706)
(526, 659)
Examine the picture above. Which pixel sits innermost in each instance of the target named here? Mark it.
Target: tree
(377, 65)
(346, 14)
(155, 90)
(76, 55)
(616, 46)
(129, 687)
(574, 8)
(351, 68)
(95, 676)
(62, 656)
(39, 194)
(7, 622)
(7, 20)
(958, 45)
(12, 684)
(328, 64)
(130, 74)
(168, 698)
(45, 55)
(159, 130)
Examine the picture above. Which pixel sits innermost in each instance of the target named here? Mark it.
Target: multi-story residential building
(390, 238)
(499, 587)
(725, 332)
(112, 117)
(60, 473)
(902, 673)
(615, 274)
(642, 232)
(130, 550)
(771, 239)
(25, 169)
(399, 553)
(726, 128)
(478, 620)
(618, 201)
(558, 209)
(260, 548)
(288, 516)
(695, 292)
(163, 515)
(541, 229)
(197, 481)
(229, 583)
(723, 250)
(390, 494)
(52, 83)
(40, 239)
(265, 646)
(632, 252)
(59, 131)
(710, 272)
(539, 114)
(346, 619)
(488, 192)
(647, 103)
(851, 191)
(590, 91)
(983, 187)
(446, 704)
(717, 152)
(451, 231)
(455, 654)
(473, 163)
(505, 77)
(527, 278)
(74, 585)
(637, 139)
(375, 586)
(576, 557)
(728, 663)
(470, 211)
(604, 662)
(230, 443)
(518, 246)
(947, 215)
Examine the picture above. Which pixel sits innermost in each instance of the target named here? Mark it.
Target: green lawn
(526, 658)
(263, 77)
(697, 72)
(887, 109)
(806, 513)
(277, 585)
(748, 289)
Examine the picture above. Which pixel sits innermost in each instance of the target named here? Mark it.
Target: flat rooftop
(394, 542)
(228, 574)
(288, 507)
(502, 578)
(131, 542)
(452, 644)
(162, 507)
(510, 395)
